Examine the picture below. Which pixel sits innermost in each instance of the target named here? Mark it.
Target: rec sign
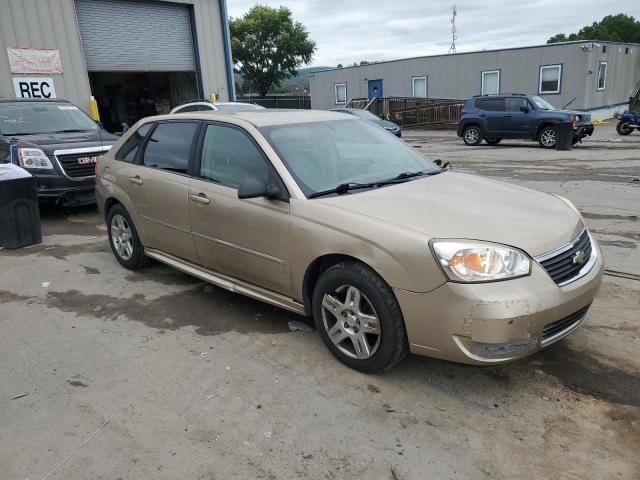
(34, 87)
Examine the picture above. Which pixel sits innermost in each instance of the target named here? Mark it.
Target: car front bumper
(60, 189)
(582, 131)
(497, 322)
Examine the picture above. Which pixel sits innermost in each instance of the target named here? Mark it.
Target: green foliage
(268, 46)
(612, 28)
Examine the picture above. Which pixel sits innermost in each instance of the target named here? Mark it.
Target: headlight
(33, 158)
(479, 261)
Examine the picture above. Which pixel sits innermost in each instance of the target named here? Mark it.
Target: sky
(348, 31)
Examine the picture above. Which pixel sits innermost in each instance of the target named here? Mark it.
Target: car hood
(388, 124)
(581, 117)
(462, 206)
(62, 141)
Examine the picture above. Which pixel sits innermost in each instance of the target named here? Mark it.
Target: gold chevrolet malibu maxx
(331, 216)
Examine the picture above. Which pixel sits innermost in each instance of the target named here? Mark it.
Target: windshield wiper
(346, 187)
(72, 130)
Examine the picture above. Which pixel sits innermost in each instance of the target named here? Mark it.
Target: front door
(244, 239)
(375, 88)
(519, 118)
(158, 186)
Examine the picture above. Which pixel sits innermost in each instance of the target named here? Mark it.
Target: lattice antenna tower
(454, 30)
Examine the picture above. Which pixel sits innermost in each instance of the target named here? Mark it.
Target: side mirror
(525, 109)
(254, 188)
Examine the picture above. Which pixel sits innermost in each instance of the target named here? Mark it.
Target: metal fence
(277, 101)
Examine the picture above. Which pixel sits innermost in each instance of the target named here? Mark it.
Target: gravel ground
(110, 374)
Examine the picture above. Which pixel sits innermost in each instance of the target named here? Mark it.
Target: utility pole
(454, 36)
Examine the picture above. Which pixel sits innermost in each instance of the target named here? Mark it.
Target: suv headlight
(33, 158)
(470, 261)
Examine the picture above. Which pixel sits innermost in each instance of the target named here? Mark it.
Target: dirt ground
(110, 374)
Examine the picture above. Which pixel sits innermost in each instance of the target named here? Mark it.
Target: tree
(268, 46)
(612, 28)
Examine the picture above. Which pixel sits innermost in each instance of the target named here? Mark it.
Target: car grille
(554, 328)
(565, 266)
(74, 166)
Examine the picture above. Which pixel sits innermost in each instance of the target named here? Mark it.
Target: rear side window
(490, 104)
(169, 146)
(129, 150)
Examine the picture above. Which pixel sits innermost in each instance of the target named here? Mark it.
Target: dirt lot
(197, 383)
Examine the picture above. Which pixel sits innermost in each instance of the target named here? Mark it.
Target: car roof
(33, 100)
(498, 95)
(260, 118)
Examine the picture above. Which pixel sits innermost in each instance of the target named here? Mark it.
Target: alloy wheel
(548, 137)
(121, 237)
(351, 322)
(472, 135)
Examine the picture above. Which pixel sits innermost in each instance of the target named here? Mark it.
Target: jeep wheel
(472, 135)
(359, 318)
(124, 240)
(492, 141)
(547, 137)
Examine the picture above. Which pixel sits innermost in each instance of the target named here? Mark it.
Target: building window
(490, 82)
(550, 79)
(419, 87)
(602, 75)
(341, 93)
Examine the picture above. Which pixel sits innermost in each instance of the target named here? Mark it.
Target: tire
(624, 127)
(493, 141)
(547, 137)
(348, 299)
(124, 239)
(472, 135)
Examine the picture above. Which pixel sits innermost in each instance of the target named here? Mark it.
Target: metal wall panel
(126, 35)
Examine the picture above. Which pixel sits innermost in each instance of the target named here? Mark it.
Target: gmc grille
(73, 168)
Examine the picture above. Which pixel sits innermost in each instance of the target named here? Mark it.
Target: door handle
(482, 115)
(508, 116)
(200, 198)
(136, 180)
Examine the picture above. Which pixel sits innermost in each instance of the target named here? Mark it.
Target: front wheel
(624, 127)
(124, 239)
(472, 135)
(493, 141)
(359, 318)
(547, 138)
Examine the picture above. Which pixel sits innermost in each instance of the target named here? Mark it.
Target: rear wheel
(492, 141)
(359, 318)
(547, 137)
(624, 127)
(472, 135)
(124, 239)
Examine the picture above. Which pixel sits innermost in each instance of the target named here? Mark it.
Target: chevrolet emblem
(578, 258)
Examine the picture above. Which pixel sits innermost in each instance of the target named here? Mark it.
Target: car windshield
(542, 104)
(32, 118)
(323, 155)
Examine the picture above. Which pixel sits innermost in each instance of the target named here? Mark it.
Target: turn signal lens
(479, 261)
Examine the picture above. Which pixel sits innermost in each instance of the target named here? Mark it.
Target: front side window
(550, 79)
(341, 93)
(515, 104)
(323, 155)
(229, 157)
(33, 118)
(491, 82)
(169, 146)
(490, 104)
(602, 75)
(541, 103)
(419, 87)
(129, 150)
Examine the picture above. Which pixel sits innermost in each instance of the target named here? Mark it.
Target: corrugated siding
(124, 35)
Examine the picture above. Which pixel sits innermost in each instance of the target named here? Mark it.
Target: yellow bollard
(93, 109)
(212, 97)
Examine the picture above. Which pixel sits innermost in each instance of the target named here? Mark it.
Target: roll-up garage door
(126, 35)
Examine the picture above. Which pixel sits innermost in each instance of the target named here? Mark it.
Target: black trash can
(564, 136)
(19, 211)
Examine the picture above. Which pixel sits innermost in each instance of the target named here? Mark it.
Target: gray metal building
(599, 75)
(136, 57)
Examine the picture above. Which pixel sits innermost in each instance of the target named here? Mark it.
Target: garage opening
(140, 57)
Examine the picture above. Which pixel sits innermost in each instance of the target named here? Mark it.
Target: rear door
(159, 187)
(245, 239)
(492, 111)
